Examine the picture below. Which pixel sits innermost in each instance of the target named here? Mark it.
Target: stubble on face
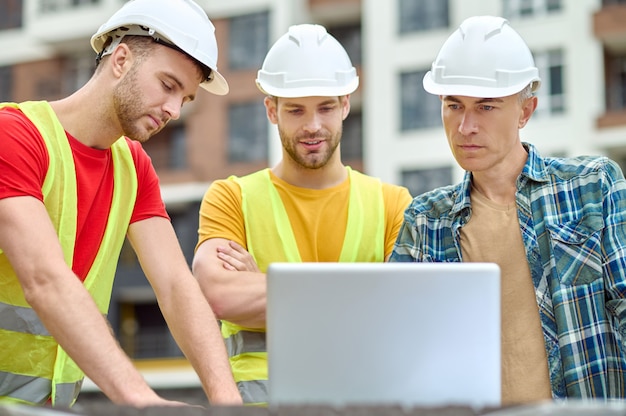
(129, 105)
(311, 159)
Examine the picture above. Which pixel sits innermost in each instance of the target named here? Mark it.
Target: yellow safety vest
(270, 239)
(33, 367)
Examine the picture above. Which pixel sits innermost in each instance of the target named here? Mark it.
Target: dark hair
(140, 46)
(143, 46)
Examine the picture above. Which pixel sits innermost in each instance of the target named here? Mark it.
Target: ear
(345, 103)
(528, 108)
(271, 109)
(121, 60)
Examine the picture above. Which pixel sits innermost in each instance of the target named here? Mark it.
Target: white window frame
(529, 8)
(550, 103)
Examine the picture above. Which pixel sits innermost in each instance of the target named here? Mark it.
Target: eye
(166, 86)
(487, 107)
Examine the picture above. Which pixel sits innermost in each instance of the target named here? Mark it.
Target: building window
(178, 148)
(419, 109)
(11, 14)
(421, 15)
(551, 94)
(134, 313)
(77, 71)
(168, 148)
(423, 180)
(529, 8)
(249, 40)
(184, 218)
(616, 83)
(248, 137)
(352, 137)
(6, 83)
(51, 6)
(47, 89)
(143, 330)
(350, 37)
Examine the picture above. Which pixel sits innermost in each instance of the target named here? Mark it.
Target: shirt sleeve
(397, 200)
(149, 201)
(23, 156)
(221, 213)
(614, 238)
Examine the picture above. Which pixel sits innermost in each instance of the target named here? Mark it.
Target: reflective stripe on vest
(252, 390)
(33, 367)
(270, 239)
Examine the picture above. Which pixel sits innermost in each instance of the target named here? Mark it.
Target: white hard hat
(485, 57)
(307, 61)
(181, 23)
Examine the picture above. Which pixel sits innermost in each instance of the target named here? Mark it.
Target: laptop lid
(411, 334)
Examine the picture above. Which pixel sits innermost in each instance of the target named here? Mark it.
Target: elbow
(218, 309)
(211, 293)
(37, 291)
(216, 298)
(32, 295)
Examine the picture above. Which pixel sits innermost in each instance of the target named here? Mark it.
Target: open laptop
(413, 334)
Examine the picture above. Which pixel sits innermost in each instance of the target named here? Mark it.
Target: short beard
(308, 162)
(128, 105)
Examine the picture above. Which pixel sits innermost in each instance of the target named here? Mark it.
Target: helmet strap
(118, 34)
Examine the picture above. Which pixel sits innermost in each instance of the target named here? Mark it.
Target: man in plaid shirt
(555, 226)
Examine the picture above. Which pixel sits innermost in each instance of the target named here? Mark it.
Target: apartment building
(394, 129)
(578, 46)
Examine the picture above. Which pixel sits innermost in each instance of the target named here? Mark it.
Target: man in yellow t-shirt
(309, 207)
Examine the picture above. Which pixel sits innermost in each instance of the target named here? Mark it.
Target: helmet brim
(217, 85)
(478, 91)
(309, 90)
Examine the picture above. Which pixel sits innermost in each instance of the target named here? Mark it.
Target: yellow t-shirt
(318, 217)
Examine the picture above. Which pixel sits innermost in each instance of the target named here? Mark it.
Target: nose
(468, 124)
(313, 123)
(173, 107)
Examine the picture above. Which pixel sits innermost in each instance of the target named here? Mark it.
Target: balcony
(48, 20)
(609, 25)
(330, 12)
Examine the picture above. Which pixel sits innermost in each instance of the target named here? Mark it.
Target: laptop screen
(384, 333)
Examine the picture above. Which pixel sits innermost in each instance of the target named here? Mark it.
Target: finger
(228, 258)
(234, 251)
(233, 258)
(237, 247)
(229, 267)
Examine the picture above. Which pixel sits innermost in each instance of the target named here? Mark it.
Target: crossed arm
(231, 281)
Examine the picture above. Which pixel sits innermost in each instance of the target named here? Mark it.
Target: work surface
(102, 409)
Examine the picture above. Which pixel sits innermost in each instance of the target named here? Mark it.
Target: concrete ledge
(571, 408)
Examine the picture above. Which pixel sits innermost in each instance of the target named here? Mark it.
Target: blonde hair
(526, 93)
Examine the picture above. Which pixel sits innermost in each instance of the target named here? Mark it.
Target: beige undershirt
(493, 235)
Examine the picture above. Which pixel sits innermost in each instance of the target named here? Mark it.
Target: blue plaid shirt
(572, 215)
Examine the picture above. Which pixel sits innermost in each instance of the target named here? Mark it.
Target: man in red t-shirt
(147, 69)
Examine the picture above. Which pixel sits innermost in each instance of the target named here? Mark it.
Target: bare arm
(32, 247)
(236, 293)
(184, 307)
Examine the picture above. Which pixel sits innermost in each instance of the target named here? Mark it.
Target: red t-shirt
(24, 163)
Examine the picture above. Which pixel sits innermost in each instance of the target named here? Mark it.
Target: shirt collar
(534, 169)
